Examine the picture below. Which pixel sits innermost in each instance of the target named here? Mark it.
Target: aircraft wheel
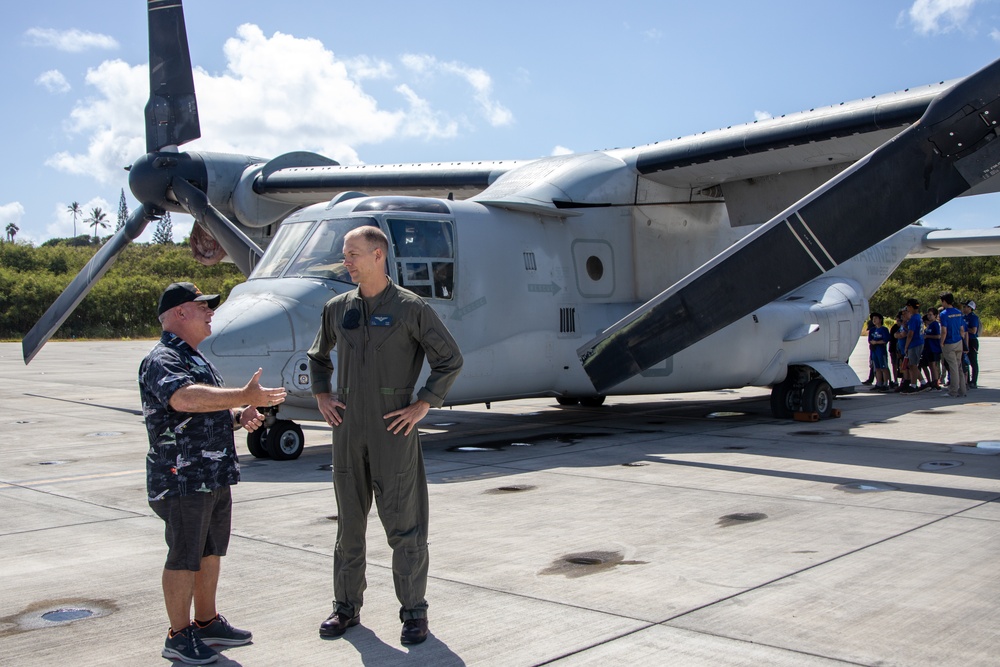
(592, 401)
(784, 400)
(818, 397)
(285, 440)
(255, 443)
(567, 400)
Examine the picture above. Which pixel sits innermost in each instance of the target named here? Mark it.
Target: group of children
(911, 350)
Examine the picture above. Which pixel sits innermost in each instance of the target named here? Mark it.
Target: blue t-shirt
(953, 323)
(933, 337)
(916, 325)
(878, 336)
(972, 322)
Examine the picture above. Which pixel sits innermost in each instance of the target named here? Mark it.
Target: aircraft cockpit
(422, 252)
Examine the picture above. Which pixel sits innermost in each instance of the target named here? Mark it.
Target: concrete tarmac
(673, 529)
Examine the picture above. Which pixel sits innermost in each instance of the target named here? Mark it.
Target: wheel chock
(806, 416)
(834, 413)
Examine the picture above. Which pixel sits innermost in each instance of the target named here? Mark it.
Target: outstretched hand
(258, 396)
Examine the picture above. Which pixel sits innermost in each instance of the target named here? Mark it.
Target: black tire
(567, 400)
(255, 443)
(784, 400)
(818, 397)
(592, 401)
(285, 441)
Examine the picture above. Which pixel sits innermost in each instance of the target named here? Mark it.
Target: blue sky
(389, 81)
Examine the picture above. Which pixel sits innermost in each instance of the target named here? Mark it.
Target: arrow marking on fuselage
(465, 310)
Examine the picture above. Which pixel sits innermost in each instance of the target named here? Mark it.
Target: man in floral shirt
(192, 462)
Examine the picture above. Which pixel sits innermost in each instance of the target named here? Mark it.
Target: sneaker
(187, 648)
(219, 632)
(414, 631)
(867, 383)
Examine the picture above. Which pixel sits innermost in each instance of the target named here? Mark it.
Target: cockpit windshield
(321, 255)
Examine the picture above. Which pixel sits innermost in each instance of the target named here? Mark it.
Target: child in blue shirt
(878, 339)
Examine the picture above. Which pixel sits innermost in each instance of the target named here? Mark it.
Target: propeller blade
(71, 297)
(949, 150)
(172, 110)
(243, 251)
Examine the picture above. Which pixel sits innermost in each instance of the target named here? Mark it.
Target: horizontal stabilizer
(954, 243)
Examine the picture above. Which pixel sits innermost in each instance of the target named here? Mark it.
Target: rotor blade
(71, 297)
(949, 150)
(243, 251)
(172, 110)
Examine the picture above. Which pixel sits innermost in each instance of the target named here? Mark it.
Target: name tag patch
(380, 321)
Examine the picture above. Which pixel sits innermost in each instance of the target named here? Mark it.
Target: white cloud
(365, 67)
(761, 115)
(934, 16)
(995, 35)
(654, 34)
(422, 120)
(71, 41)
(276, 94)
(562, 150)
(12, 212)
(53, 81)
(495, 113)
(112, 122)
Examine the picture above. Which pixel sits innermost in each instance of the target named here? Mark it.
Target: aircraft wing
(308, 185)
(809, 142)
(949, 151)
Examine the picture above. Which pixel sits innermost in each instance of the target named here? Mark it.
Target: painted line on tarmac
(76, 478)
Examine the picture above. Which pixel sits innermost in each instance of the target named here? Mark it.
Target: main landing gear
(803, 391)
(281, 440)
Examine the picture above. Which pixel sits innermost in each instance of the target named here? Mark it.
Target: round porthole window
(595, 268)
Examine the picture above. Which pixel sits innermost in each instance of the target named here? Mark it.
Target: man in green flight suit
(382, 333)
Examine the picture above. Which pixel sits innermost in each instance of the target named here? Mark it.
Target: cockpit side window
(285, 243)
(322, 255)
(425, 256)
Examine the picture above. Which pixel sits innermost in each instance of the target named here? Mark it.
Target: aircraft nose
(251, 325)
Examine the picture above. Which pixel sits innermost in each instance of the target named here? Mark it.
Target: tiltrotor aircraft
(743, 256)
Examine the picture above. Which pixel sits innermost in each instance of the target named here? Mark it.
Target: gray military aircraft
(743, 256)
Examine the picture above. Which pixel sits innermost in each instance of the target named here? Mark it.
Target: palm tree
(96, 219)
(75, 209)
(12, 230)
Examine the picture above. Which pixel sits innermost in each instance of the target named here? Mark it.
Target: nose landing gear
(278, 439)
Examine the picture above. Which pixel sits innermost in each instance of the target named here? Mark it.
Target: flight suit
(380, 352)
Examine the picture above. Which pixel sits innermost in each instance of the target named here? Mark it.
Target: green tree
(75, 209)
(12, 230)
(97, 220)
(122, 212)
(164, 234)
